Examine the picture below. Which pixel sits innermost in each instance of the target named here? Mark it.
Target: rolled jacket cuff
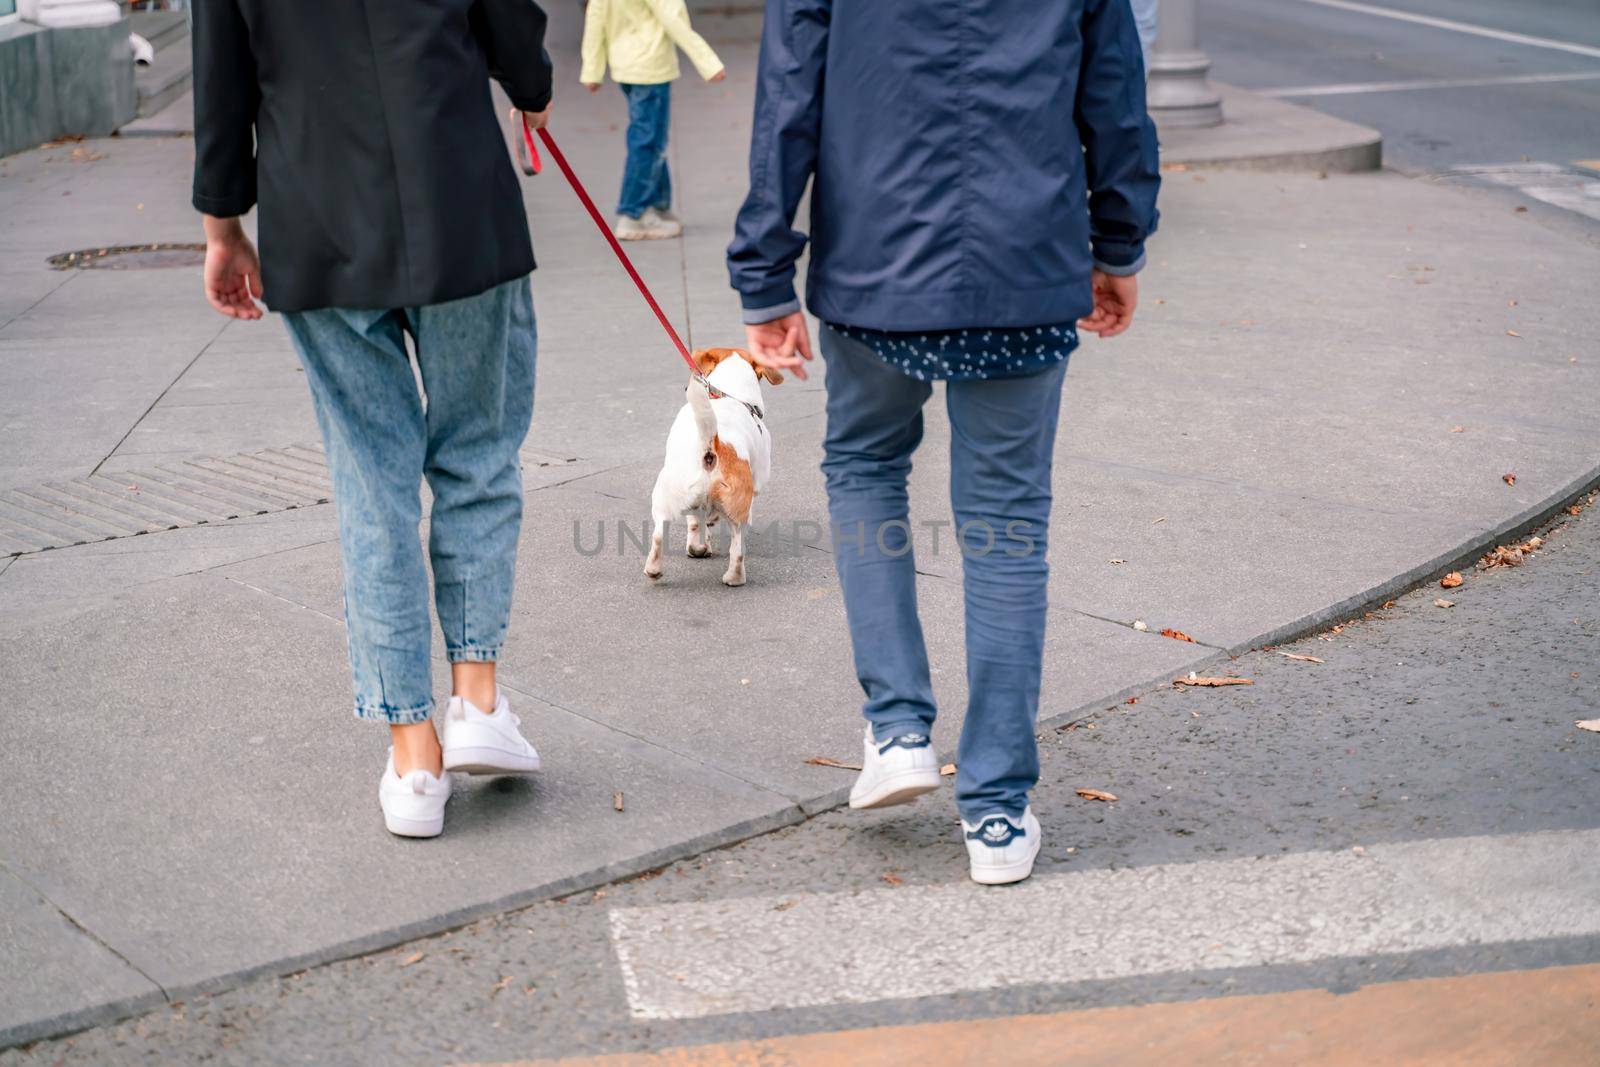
(756, 316)
(1120, 270)
(225, 207)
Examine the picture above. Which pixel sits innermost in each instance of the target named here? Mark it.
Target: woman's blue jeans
(646, 181)
(1002, 438)
(462, 432)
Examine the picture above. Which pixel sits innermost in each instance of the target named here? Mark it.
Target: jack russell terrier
(719, 453)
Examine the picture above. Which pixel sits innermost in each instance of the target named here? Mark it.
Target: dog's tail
(705, 419)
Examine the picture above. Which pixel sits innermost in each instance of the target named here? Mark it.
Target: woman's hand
(233, 271)
(593, 87)
(720, 75)
(781, 343)
(1115, 297)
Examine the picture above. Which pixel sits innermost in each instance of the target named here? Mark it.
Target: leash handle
(622, 257)
(527, 154)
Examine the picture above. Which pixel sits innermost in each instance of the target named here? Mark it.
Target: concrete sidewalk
(188, 802)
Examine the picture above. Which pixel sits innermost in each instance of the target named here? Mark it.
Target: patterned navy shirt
(972, 353)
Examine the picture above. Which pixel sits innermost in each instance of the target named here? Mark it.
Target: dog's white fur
(718, 459)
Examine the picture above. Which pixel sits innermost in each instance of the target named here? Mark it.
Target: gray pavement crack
(84, 930)
(526, 690)
(1130, 626)
(146, 413)
(53, 290)
(275, 596)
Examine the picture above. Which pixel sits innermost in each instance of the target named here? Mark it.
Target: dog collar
(718, 394)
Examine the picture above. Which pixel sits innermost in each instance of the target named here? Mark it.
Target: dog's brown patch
(706, 360)
(735, 487)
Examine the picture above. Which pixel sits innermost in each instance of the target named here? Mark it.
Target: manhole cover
(131, 257)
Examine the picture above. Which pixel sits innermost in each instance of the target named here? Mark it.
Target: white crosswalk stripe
(764, 953)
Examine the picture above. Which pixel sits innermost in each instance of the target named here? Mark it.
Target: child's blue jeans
(645, 180)
(1002, 437)
(475, 360)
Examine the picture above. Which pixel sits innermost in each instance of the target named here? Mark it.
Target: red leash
(531, 165)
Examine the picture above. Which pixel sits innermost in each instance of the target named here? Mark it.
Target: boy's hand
(1115, 297)
(593, 87)
(720, 75)
(780, 343)
(232, 272)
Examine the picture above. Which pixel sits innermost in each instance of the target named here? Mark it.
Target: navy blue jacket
(970, 160)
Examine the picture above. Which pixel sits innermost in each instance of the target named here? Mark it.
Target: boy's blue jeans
(1002, 435)
(645, 180)
(475, 359)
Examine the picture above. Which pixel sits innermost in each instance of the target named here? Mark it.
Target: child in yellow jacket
(639, 39)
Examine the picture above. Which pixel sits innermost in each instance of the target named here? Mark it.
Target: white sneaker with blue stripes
(895, 770)
(1002, 849)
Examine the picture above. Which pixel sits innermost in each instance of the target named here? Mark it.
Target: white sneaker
(895, 771)
(479, 743)
(647, 227)
(1002, 849)
(413, 806)
(664, 218)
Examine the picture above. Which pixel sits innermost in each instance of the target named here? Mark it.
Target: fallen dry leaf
(1511, 303)
(1131, 700)
(892, 878)
(1511, 555)
(1306, 659)
(616, 801)
(1588, 724)
(1458, 429)
(1177, 635)
(1195, 679)
(1510, 477)
(824, 761)
(1161, 519)
(1097, 794)
(1451, 580)
(1138, 624)
(1574, 510)
(1512, 333)
(499, 985)
(947, 770)
(1443, 603)
(784, 905)
(415, 957)
(1117, 559)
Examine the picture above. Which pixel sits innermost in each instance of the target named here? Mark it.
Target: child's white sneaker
(664, 219)
(1002, 849)
(476, 742)
(895, 771)
(413, 806)
(647, 227)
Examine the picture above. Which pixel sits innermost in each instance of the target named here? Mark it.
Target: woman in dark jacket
(388, 210)
(983, 177)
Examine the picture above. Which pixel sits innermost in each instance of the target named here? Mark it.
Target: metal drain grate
(191, 493)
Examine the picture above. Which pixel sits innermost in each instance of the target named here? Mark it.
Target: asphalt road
(1430, 743)
(1443, 97)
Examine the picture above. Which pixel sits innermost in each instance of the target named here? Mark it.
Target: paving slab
(271, 855)
(66, 968)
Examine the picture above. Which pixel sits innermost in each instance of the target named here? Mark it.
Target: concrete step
(160, 28)
(167, 78)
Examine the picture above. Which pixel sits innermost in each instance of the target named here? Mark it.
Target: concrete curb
(1262, 133)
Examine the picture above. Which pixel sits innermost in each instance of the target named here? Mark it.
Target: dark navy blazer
(367, 133)
(970, 160)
